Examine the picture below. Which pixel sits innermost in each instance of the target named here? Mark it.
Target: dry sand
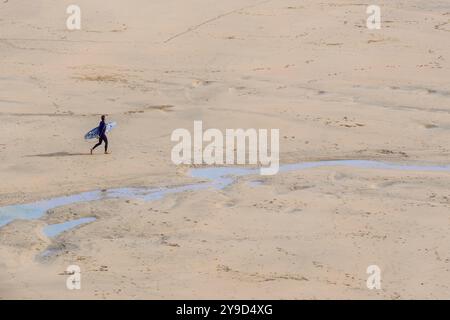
(335, 89)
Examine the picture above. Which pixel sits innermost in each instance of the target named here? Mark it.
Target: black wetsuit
(102, 136)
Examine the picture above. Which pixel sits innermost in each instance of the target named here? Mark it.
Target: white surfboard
(93, 134)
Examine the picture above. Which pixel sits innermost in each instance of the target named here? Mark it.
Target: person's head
(103, 117)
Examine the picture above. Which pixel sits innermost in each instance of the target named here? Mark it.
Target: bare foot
(106, 152)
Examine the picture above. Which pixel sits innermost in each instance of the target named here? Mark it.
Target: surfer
(102, 135)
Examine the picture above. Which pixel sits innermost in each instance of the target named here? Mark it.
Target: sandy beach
(335, 89)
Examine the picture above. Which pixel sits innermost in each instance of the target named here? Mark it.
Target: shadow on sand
(59, 154)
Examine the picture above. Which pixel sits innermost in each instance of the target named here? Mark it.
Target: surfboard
(94, 132)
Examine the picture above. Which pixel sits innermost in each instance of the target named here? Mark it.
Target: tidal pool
(213, 177)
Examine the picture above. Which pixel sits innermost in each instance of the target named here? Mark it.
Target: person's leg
(106, 143)
(100, 140)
